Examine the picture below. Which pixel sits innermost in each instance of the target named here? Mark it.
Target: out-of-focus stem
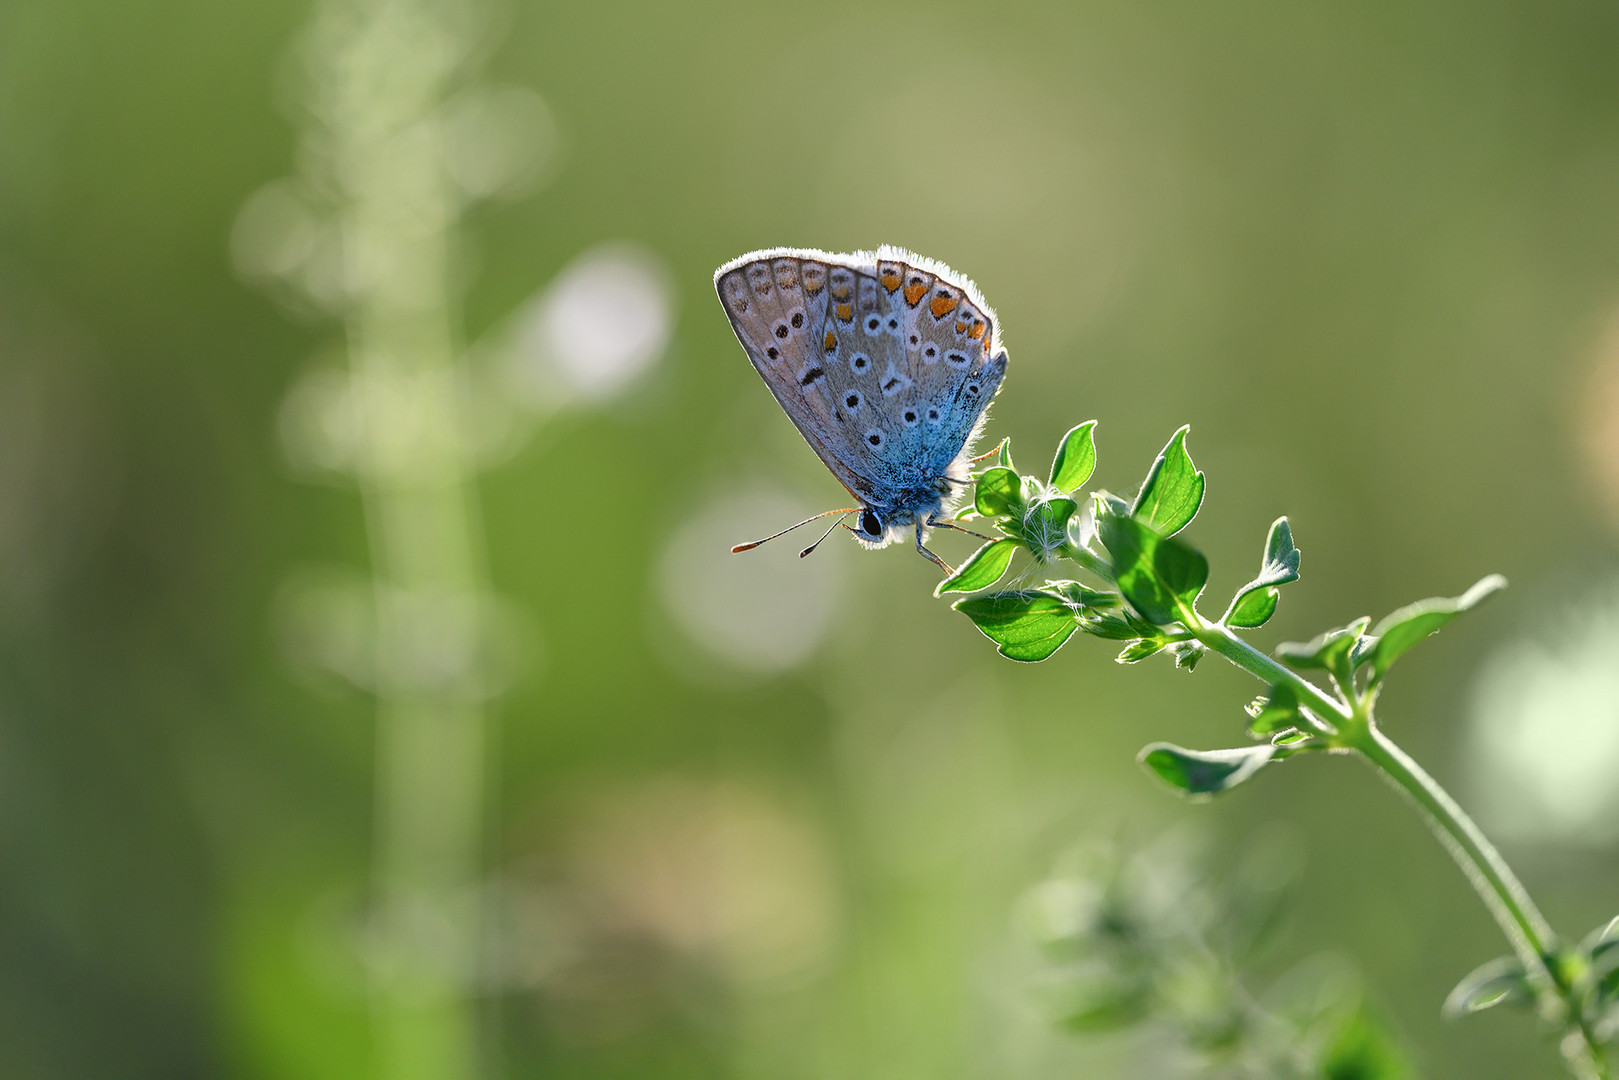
(397, 220)
(1503, 894)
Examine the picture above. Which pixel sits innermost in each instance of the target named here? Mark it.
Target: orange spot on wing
(890, 281)
(977, 331)
(943, 305)
(845, 312)
(914, 294)
(831, 341)
(961, 328)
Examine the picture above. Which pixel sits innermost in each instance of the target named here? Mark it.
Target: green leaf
(1203, 774)
(1119, 626)
(1281, 556)
(1327, 651)
(999, 492)
(1158, 576)
(1076, 458)
(1256, 601)
(1173, 490)
(1004, 454)
(1604, 973)
(1253, 608)
(1027, 626)
(1409, 625)
(1502, 980)
(1188, 653)
(982, 569)
(1360, 1049)
(1275, 711)
(1105, 1000)
(1602, 948)
(1137, 651)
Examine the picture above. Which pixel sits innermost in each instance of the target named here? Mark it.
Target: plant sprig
(1152, 582)
(1152, 939)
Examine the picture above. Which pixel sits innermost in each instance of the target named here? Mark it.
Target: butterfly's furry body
(885, 362)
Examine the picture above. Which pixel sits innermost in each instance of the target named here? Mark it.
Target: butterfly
(885, 361)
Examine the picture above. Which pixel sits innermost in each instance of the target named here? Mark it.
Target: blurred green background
(756, 816)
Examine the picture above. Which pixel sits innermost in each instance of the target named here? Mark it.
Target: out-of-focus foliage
(1153, 944)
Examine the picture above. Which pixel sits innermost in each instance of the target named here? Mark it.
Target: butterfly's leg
(952, 525)
(940, 563)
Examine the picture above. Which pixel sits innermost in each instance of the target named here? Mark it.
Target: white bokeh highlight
(604, 320)
(1546, 729)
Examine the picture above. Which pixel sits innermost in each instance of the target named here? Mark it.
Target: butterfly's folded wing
(952, 356)
(777, 302)
(884, 361)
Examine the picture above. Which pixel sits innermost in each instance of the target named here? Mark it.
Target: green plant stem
(1224, 641)
(1503, 894)
(1495, 882)
(1088, 559)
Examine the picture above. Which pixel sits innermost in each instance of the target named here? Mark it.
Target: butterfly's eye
(871, 524)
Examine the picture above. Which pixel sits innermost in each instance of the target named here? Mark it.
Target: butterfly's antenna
(750, 546)
(809, 550)
(992, 452)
